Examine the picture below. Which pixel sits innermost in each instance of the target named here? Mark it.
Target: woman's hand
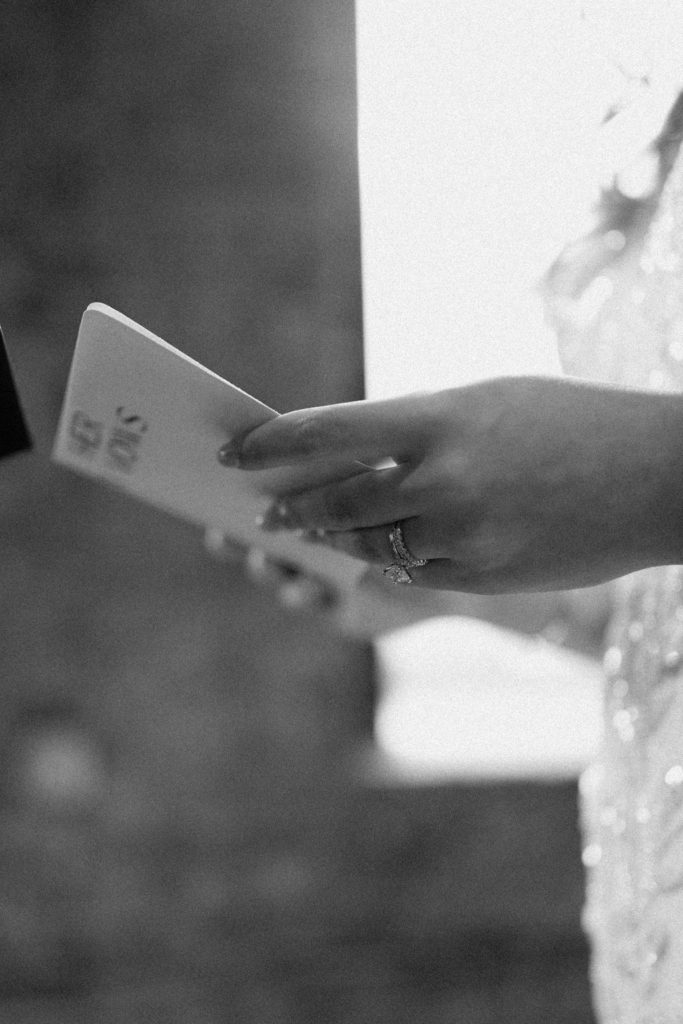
(509, 485)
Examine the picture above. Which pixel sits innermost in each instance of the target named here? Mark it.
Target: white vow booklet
(145, 418)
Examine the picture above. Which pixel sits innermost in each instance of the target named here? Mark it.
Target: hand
(373, 608)
(370, 609)
(509, 485)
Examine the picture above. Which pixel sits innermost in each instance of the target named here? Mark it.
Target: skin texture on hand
(373, 608)
(514, 484)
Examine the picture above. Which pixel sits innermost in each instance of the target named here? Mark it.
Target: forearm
(656, 479)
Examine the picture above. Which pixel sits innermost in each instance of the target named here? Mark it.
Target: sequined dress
(627, 327)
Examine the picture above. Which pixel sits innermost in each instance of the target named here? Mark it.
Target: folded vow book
(145, 418)
(14, 436)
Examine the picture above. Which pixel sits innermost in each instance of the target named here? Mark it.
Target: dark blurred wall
(180, 838)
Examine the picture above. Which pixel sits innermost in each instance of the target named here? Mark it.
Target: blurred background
(184, 832)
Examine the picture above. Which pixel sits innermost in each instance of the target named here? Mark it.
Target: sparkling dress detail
(626, 327)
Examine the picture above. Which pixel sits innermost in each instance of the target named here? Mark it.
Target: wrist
(665, 430)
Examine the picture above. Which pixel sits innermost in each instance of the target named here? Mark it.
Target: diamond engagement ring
(397, 572)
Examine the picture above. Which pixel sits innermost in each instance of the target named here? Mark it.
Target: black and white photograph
(341, 512)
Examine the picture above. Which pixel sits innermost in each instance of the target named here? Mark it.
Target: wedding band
(397, 571)
(401, 551)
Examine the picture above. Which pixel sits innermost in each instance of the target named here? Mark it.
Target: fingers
(372, 544)
(457, 570)
(439, 573)
(294, 589)
(445, 574)
(365, 431)
(222, 547)
(368, 499)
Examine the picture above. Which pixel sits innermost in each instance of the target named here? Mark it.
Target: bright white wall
(463, 699)
(477, 127)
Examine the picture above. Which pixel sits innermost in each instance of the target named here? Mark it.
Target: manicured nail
(228, 455)
(277, 517)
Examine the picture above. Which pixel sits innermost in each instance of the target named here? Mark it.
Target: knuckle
(311, 432)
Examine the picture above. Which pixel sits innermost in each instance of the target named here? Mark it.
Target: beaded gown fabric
(626, 326)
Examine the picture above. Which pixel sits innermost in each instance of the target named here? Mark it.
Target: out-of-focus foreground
(181, 838)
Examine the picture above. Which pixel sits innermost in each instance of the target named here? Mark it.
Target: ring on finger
(404, 560)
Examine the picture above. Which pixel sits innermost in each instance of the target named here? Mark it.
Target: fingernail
(229, 455)
(278, 517)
